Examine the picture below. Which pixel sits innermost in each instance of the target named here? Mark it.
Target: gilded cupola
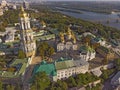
(23, 14)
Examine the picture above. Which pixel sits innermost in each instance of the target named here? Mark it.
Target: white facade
(99, 40)
(65, 73)
(10, 34)
(66, 46)
(87, 53)
(74, 67)
(88, 33)
(102, 42)
(87, 56)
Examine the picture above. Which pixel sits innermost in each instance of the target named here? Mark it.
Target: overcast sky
(64, 0)
(81, 0)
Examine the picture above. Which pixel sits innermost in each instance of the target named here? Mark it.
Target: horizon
(62, 0)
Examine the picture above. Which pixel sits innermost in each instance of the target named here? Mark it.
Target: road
(28, 73)
(27, 76)
(107, 85)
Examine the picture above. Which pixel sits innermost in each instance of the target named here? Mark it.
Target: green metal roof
(22, 69)
(18, 61)
(49, 68)
(8, 74)
(86, 48)
(64, 64)
(54, 31)
(97, 39)
(46, 37)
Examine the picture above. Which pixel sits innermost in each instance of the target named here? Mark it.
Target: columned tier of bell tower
(28, 44)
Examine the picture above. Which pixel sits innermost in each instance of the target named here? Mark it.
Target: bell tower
(27, 42)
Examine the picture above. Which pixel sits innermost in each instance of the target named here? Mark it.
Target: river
(94, 17)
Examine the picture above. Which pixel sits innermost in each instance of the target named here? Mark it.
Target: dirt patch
(36, 60)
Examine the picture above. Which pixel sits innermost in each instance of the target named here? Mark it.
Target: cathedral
(67, 41)
(27, 42)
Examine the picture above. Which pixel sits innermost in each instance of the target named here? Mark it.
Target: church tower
(27, 42)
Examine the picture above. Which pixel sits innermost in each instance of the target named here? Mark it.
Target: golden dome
(23, 13)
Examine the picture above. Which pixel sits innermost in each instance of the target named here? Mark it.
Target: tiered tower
(27, 42)
(4, 3)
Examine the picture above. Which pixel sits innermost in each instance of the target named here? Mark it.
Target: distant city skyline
(60, 0)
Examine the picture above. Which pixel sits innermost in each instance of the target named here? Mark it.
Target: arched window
(26, 38)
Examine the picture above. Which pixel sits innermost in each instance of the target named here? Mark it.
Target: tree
(61, 84)
(105, 61)
(1, 85)
(44, 49)
(10, 87)
(41, 81)
(21, 54)
(95, 45)
(18, 86)
(41, 52)
(117, 62)
(71, 82)
(51, 51)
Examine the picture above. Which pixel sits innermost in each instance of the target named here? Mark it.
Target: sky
(65, 0)
(83, 0)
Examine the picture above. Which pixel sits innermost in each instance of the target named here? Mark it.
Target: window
(26, 38)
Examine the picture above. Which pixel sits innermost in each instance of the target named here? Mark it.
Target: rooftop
(80, 62)
(18, 61)
(64, 64)
(116, 77)
(49, 68)
(54, 31)
(86, 48)
(97, 39)
(20, 64)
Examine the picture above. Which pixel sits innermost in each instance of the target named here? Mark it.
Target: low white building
(87, 53)
(2, 53)
(99, 40)
(62, 68)
(9, 37)
(10, 34)
(67, 68)
(116, 79)
(88, 34)
(66, 46)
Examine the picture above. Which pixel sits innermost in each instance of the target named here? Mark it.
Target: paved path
(27, 77)
(28, 73)
(107, 85)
